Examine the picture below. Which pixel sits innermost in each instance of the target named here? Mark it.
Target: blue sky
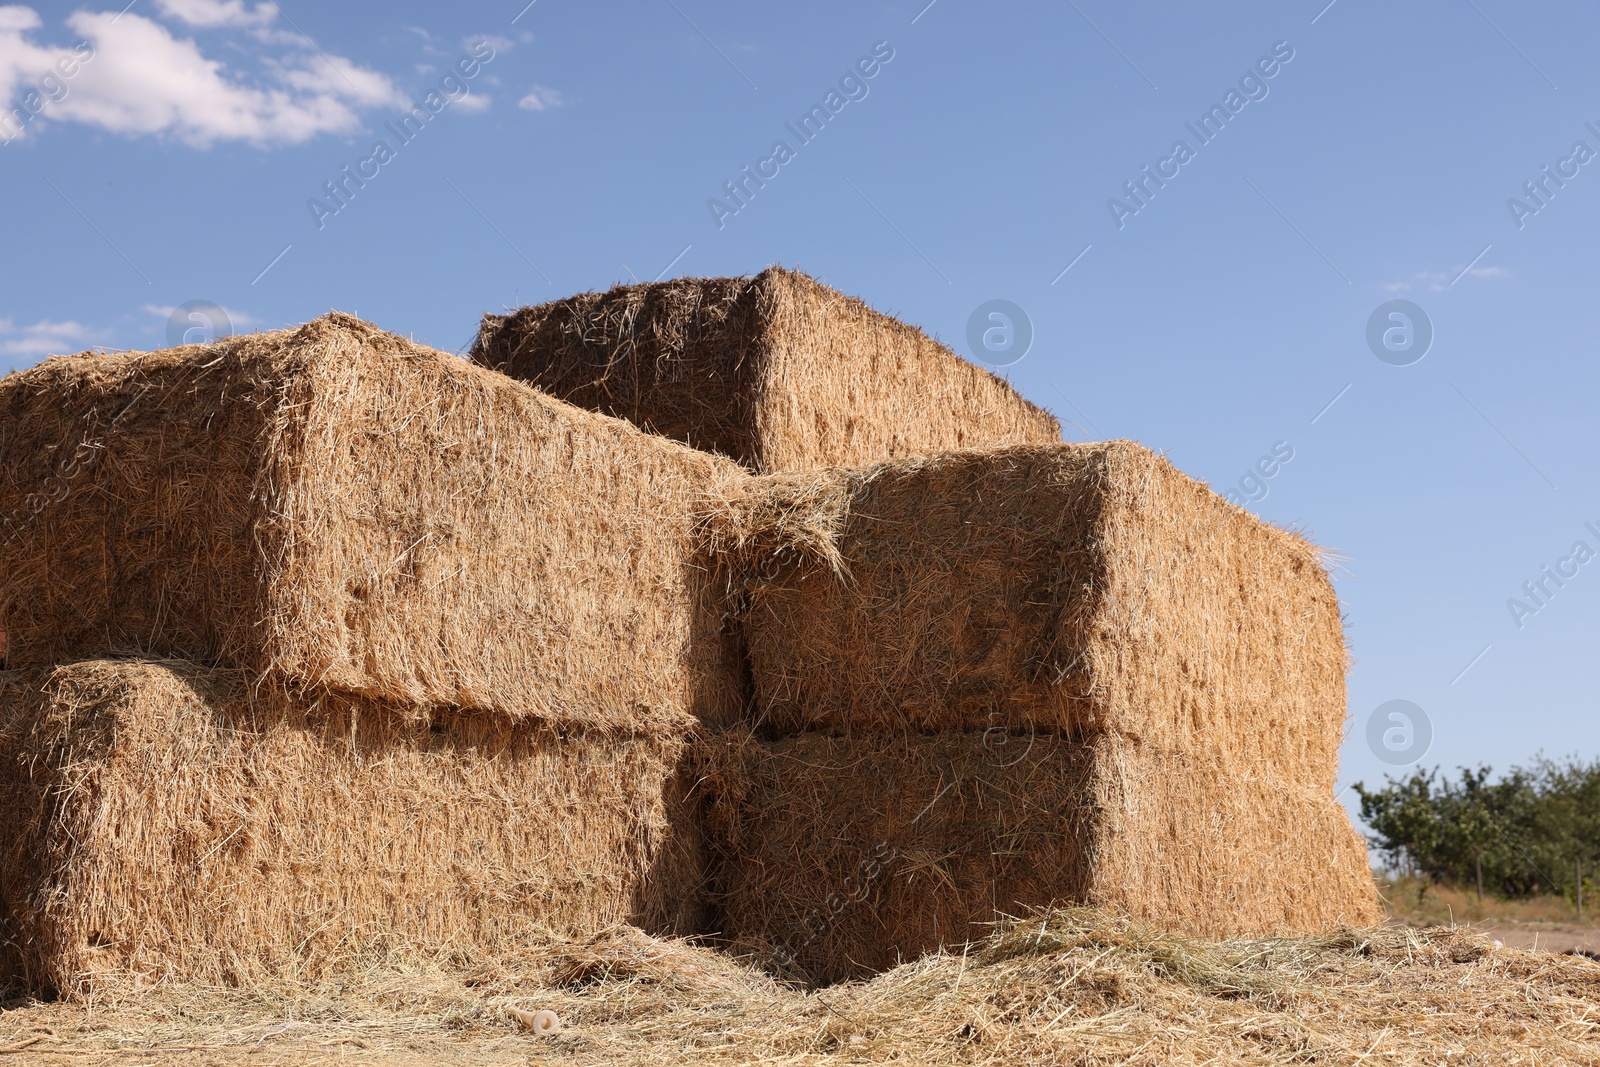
(179, 159)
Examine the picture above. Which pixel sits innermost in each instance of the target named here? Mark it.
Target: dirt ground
(1543, 938)
(1547, 923)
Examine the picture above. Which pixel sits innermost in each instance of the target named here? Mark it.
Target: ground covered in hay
(1075, 987)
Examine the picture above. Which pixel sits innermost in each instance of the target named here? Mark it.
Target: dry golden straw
(841, 857)
(163, 820)
(1078, 987)
(777, 371)
(1071, 589)
(335, 507)
(1004, 678)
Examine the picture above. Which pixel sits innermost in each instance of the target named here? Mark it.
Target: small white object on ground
(543, 1022)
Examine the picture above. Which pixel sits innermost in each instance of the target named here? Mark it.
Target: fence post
(1479, 861)
(1577, 870)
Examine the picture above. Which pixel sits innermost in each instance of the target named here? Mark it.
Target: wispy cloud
(211, 13)
(493, 40)
(1439, 281)
(46, 338)
(238, 319)
(142, 80)
(541, 98)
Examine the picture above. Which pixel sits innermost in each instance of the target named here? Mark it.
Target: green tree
(1534, 829)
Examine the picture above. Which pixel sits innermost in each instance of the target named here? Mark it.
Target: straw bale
(339, 507)
(840, 857)
(159, 819)
(777, 371)
(1070, 589)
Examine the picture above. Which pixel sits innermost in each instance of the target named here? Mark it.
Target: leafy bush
(1528, 828)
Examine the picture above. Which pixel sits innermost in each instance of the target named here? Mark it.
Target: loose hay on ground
(777, 371)
(1076, 987)
(841, 857)
(166, 820)
(338, 507)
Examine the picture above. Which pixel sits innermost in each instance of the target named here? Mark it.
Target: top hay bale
(1083, 590)
(338, 507)
(777, 371)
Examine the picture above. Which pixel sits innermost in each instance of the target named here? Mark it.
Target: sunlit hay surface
(1077, 987)
(840, 857)
(777, 371)
(168, 820)
(1071, 589)
(334, 506)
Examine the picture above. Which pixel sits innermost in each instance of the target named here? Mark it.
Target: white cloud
(435, 46)
(475, 102)
(1439, 281)
(541, 98)
(141, 80)
(236, 319)
(493, 40)
(209, 13)
(46, 338)
(20, 60)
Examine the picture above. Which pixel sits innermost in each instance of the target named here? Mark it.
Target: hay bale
(339, 507)
(1074, 589)
(841, 857)
(777, 371)
(159, 819)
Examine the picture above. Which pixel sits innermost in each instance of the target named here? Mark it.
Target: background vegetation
(1533, 831)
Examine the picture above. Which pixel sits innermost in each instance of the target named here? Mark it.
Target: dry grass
(165, 820)
(1075, 987)
(336, 507)
(840, 857)
(777, 371)
(1421, 902)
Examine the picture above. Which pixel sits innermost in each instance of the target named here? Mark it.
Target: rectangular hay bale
(840, 857)
(339, 507)
(1071, 589)
(777, 371)
(159, 819)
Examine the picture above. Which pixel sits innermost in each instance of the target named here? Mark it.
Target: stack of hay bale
(321, 642)
(1019, 673)
(747, 611)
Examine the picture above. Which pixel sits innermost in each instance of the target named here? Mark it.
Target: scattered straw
(1075, 987)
